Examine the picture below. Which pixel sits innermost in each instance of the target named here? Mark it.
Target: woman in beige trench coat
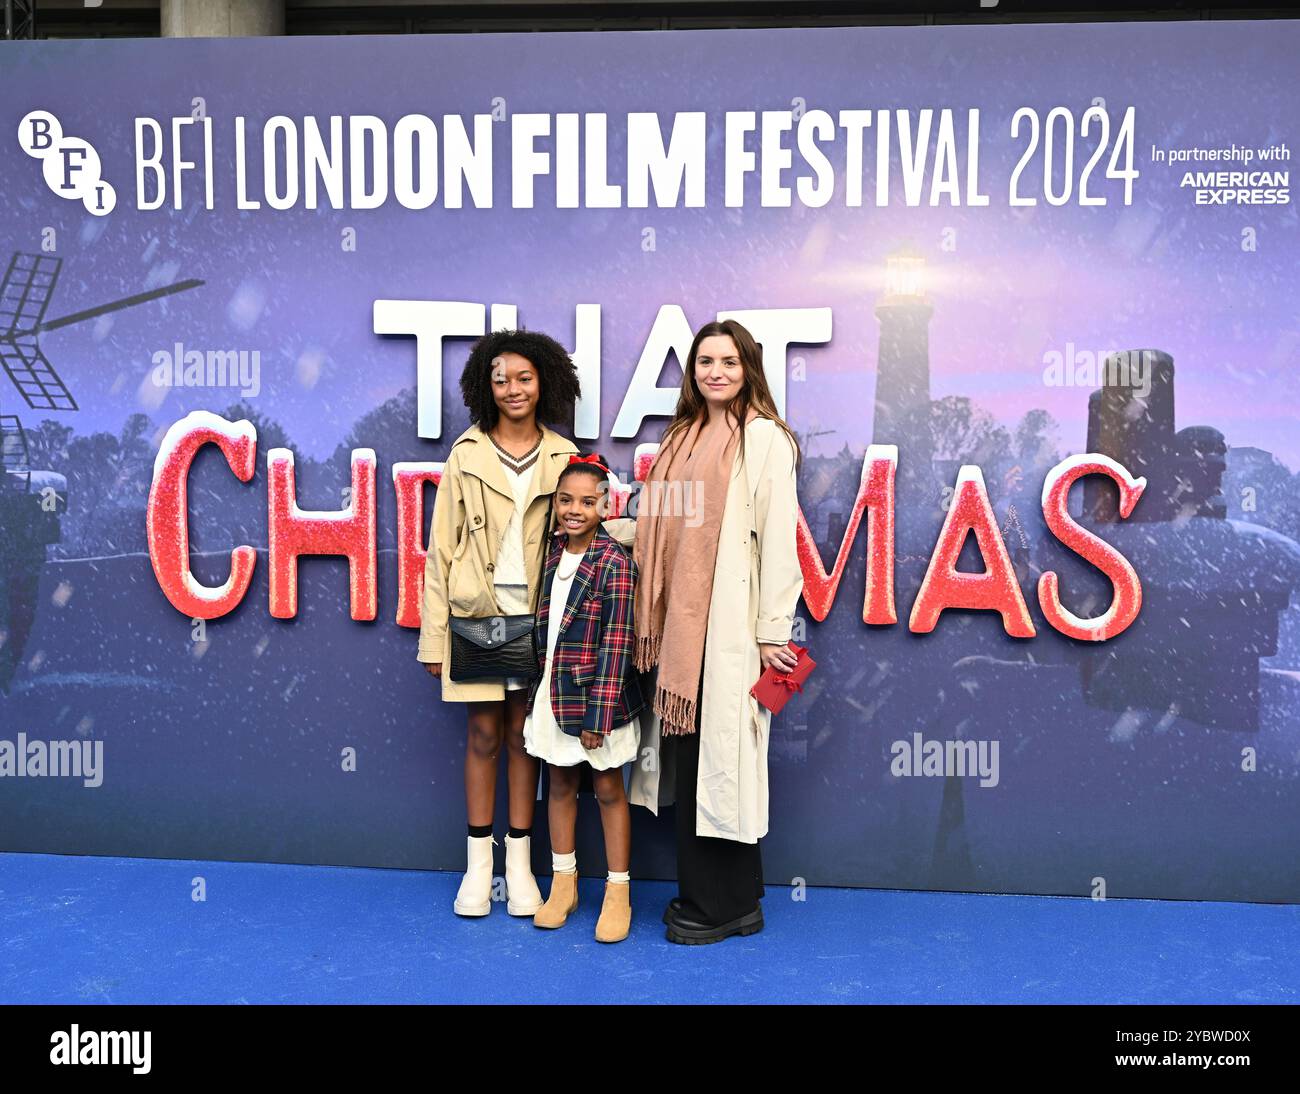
(718, 775)
(491, 527)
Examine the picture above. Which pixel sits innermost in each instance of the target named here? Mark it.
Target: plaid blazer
(593, 683)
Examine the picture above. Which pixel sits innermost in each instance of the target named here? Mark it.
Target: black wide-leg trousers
(718, 880)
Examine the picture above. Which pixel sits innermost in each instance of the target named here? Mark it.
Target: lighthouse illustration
(902, 401)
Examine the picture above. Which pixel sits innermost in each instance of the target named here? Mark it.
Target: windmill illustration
(25, 295)
(807, 435)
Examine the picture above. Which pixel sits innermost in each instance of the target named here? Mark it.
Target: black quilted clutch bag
(493, 646)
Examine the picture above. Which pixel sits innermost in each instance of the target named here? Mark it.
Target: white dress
(543, 736)
(509, 576)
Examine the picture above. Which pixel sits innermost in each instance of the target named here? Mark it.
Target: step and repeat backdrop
(1025, 293)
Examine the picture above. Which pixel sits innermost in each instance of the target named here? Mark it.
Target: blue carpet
(79, 930)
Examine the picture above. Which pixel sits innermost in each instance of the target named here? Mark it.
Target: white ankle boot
(523, 897)
(475, 894)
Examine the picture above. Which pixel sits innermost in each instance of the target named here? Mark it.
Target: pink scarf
(677, 528)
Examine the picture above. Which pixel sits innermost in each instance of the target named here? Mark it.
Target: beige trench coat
(472, 506)
(757, 582)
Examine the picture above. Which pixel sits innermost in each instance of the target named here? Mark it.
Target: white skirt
(544, 738)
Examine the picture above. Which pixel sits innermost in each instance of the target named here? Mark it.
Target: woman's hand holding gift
(780, 658)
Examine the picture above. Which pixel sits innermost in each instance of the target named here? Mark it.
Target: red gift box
(774, 688)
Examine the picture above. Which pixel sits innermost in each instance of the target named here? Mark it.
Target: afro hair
(557, 376)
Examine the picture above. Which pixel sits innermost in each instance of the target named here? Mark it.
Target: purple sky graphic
(1019, 283)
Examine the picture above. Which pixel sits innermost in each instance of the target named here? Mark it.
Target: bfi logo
(70, 165)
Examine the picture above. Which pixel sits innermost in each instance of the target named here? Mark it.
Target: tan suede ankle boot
(615, 913)
(563, 899)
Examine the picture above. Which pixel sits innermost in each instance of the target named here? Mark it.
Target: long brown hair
(754, 392)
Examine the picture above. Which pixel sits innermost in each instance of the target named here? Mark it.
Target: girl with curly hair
(491, 528)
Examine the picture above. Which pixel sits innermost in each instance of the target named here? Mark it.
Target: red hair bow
(593, 458)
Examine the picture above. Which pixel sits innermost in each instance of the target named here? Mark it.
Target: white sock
(564, 864)
(621, 877)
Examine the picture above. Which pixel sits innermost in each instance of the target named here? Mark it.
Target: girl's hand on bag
(592, 741)
(781, 658)
(434, 667)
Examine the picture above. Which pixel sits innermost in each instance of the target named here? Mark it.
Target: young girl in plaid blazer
(586, 707)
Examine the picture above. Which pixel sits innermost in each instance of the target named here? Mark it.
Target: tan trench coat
(472, 506)
(757, 582)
